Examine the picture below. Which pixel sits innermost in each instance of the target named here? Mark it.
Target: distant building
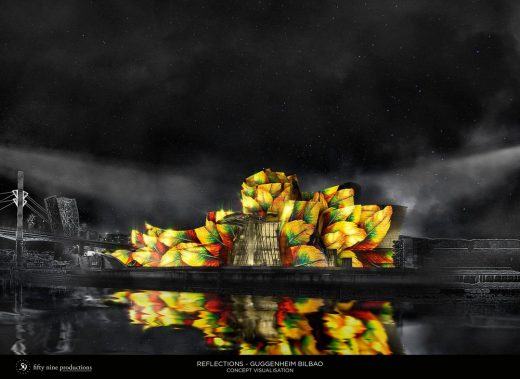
(117, 238)
(51, 204)
(88, 234)
(442, 253)
(63, 215)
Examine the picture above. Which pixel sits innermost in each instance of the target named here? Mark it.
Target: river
(118, 321)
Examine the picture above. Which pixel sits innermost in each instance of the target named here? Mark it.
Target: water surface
(115, 321)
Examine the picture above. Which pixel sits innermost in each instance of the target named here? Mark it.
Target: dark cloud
(207, 92)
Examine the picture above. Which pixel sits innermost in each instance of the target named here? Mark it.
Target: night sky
(158, 110)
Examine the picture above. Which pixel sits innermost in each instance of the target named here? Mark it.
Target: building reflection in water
(19, 347)
(54, 338)
(267, 325)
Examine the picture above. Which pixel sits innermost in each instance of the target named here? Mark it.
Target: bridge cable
(39, 215)
(42, 209)
(36, 212)
(8, 198)
(8, 205)
(32, 208)
(38, 206)
(5, 193)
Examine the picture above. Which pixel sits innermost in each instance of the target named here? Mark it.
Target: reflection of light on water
(267, 325)
(23, 328)
(18, 347)
(64, 344)
(414, 337)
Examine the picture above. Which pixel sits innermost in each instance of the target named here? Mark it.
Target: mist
(436, 191)
(116, 195)
(122, 196)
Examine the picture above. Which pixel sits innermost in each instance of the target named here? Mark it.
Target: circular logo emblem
(22, 367)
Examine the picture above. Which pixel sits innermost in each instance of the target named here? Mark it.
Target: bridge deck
(10, 233)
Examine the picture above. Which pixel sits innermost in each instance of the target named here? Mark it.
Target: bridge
(31, 236)
(21, 199)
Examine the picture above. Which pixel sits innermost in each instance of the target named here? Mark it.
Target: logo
(22, 367)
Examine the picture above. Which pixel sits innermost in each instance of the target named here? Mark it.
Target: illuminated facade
(63, 215)
(279, 226)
